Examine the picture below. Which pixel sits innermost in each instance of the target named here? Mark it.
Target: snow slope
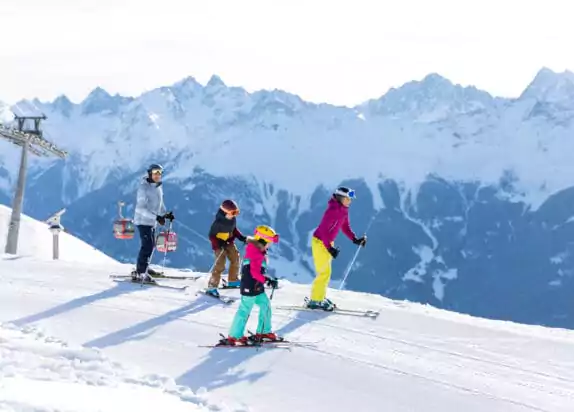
(39, 373)
(412, 358)
(35, 239)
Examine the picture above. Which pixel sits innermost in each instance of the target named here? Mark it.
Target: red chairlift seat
(124, 229)
(166, 241)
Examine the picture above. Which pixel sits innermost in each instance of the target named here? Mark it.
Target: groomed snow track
(411, 358)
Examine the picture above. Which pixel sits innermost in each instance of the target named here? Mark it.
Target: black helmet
(155, 167)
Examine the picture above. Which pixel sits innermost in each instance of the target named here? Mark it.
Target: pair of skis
(336, 310)
(157, 276)
(254, 345)
(225, 299)
(279, 344)
(128, 278)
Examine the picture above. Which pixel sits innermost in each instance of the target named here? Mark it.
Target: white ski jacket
(149, 203)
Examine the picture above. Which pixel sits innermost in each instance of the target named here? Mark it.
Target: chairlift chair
(123, 228)
(166, 240)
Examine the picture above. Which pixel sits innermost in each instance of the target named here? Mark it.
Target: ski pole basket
(166, 242)
(123, 228)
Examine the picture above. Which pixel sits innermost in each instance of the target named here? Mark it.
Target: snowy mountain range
(468, 198)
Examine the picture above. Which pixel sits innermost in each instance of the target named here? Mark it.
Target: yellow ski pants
(322, 259)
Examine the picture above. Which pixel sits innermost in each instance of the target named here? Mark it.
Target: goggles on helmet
(344, 192)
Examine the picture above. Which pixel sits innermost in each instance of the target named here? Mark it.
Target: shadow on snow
(117, 290)
(220, 367)
(144, 329)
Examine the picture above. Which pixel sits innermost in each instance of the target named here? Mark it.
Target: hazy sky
(338, 51)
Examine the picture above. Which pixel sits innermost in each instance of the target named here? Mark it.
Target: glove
(334, 251)
(242, 239)
(160, 220)
(259, 287)
(272, 282)
(362, 241)
(169, 216)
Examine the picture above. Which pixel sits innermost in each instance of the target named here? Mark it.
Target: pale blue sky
(341, 52)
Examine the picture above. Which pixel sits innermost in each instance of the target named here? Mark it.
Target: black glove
(334, 251)
(242, 238)
(259, 286)
(361, 241)
(272, 282)
(169, 216)
(160, 220)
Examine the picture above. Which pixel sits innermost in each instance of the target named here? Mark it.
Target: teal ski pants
(240, 321)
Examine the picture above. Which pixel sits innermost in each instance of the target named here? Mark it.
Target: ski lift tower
(27, 135)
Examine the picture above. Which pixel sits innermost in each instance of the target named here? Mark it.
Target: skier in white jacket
(150, 210)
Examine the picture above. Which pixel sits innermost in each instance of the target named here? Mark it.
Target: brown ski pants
(230, 252)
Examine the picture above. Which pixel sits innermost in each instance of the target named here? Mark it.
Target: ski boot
(232, 285)
(154, 273)
(213, 292)
(148, 279)
(325, 305)
(230, 341)
(142, 278)
(265, 337)
(135, 276)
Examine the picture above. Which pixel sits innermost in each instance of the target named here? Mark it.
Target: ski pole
(166, 244)
(154, 237)
(191, 230)
(348, 270)
(216, 260)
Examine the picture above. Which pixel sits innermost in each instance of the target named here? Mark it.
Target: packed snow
(411, 358)
(35, 239)
(42, 374)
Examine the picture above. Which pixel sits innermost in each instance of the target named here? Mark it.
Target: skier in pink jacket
(335, 218)
(254, 277)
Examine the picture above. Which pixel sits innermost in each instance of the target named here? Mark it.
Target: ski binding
(153, 284)
(224, 299)
(336, 310)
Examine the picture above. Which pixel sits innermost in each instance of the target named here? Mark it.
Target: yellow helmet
(266, 233)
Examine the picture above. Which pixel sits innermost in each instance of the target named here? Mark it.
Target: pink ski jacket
(336, 217)
(257, 258)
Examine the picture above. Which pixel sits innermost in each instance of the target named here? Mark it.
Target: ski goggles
(350, 194)
(156, 172)
(234, 212)
(267, 238)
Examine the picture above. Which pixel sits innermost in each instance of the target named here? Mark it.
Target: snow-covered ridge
(35, 240)
(6, 115)
(422, 128)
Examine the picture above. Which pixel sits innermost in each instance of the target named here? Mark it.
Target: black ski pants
(147, 237)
